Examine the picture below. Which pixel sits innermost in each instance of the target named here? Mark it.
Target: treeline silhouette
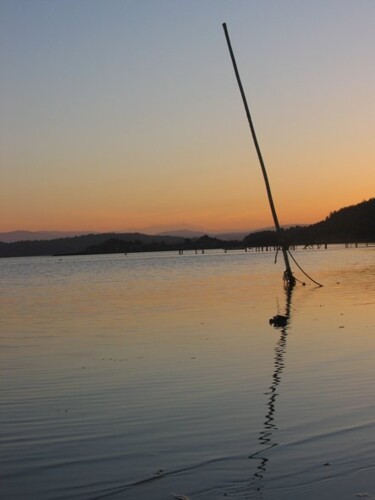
(76, 244)
(117, 245)
(353, 224)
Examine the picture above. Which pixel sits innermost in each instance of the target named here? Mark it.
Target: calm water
(152, 375)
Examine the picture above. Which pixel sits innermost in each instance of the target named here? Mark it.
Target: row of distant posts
(246, 249)
(272, 248)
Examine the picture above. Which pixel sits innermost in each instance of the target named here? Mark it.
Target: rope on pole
(304, 272)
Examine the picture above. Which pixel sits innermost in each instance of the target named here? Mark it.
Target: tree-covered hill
(116, 245)
(76, 244)
(353, 224)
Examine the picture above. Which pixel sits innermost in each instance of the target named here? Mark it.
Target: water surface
(151, 375)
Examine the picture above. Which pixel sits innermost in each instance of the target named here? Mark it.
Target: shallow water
(152, 375)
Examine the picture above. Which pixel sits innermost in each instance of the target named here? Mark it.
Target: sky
(120, 115)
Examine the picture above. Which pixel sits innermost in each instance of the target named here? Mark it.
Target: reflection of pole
(269, 426)
(289, 278)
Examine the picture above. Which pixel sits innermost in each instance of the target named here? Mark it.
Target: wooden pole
(288, 275)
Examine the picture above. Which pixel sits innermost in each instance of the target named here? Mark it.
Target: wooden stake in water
(288, 275)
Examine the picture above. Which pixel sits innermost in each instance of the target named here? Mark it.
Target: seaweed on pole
(289, 279)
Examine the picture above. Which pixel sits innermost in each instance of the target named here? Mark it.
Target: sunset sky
(125, 114)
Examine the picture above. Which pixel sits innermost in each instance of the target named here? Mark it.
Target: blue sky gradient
(124, 114)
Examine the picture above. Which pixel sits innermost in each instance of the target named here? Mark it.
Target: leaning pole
(289, 279)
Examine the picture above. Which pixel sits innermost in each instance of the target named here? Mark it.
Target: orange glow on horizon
(138, 128)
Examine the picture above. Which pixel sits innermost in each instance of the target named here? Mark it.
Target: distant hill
(237, 235)
(353, 224)
(155, 244)
(183, 233)
(182, 229)
(187, 233)
(11, 236)
(76, 244)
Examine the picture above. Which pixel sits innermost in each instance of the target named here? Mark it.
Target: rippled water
(152, 375)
